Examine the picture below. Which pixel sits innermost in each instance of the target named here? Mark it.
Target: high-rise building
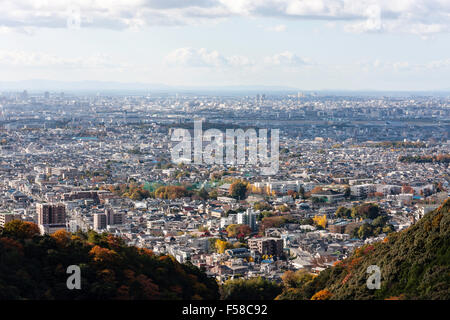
(248, 217)
(267, 246)
(6, 217)
(51, 213)
(51, 217)
(113, 218)
(109, 218)
(99, 221)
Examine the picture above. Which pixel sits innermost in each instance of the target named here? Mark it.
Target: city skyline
(304, 45)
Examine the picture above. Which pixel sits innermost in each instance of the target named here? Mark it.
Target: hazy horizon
(40, 85)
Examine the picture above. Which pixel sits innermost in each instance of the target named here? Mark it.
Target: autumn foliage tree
(172, 192)
(407, 189)
(316, 190)
(320, 220)
(222, 245)
(131, 190)
(275, 221)
(20, 229)
(238, 230)
(296, 279)
(322, 295)
(103, 255)
(62, 237)
(33, 267)
(293, 194)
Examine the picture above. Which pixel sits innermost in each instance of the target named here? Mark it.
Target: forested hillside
(34, 267)
(414, 264)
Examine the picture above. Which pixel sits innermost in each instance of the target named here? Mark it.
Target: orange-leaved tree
(322, 295)
(20, 229)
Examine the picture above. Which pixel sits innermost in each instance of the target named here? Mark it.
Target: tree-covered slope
(34, 267)
(414, 264)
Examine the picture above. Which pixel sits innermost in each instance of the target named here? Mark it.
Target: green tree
(252, 289)
(380, 221)
(202, 193)
(302, 192)
(296, 279)
(238, 190)
(343, 212)
(262, 206)
(366, 211)
(213, 194)
(365, 231)
(347, 192)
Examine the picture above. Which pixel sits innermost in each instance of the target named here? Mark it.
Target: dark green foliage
(262, 206)
(308, 221)
(379, 225)
(203, 194)
(441, 158)
(347, 192)
(399, 144)
(343, 212)
(366, 211)
(35, 268)
(302, 192)
(238, 190)
(252, 289)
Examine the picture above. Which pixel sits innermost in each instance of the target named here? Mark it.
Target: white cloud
(195, 58)
(438, 64)
(278, 28)
(191, 57)
(204, 58)
(42, 59)
(23, 30)
(240, 61)
(371, 24)
(403, 16)
(286, 58)
(402, 66)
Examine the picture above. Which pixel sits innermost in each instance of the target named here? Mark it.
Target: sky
(303, 44)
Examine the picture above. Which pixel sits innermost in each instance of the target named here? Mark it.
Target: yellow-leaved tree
(222, 245)
(320, 220)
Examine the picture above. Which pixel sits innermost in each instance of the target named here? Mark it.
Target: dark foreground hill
(414, 264)
(34, 267)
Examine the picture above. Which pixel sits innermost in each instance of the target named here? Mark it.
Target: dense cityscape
(352, 170)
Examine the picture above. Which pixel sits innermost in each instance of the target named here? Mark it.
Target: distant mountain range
(39, 85)
(92, 86)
